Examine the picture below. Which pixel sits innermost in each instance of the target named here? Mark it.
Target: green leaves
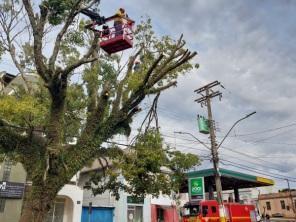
(58, 9)
(23, 111)
(148, 167)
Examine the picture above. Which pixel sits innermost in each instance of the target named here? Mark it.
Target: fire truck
(208, 211)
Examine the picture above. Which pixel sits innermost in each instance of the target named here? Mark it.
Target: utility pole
(207, 94)
(291, 198)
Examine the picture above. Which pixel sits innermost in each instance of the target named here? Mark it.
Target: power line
(245, 154)
(264, 166)
(252, 157)
(258, 164)
(232, 150)
(276, 157)
(278, 176)
(235, 151)
(273, 143)
(269, 137)
(191, 148)
(264, 131)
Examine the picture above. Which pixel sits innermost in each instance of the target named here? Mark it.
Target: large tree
(83, 94)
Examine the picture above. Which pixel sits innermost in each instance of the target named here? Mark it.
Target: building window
(56, 213)
(6, 170)
(283, 205)
(134, 213)
(268, 207)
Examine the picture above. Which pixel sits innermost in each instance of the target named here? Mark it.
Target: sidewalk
(282, 219)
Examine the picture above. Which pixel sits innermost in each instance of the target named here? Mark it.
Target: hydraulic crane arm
(94, 16)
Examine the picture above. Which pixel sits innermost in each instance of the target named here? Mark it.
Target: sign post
(196, 189)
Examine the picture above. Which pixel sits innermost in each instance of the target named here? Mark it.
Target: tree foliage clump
(147, 167)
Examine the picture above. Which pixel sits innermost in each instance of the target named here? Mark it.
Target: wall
(275, 204)
(107, 200)
(73, 204)
(168, 205)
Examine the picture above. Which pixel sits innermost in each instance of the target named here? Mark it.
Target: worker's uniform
(118, 23)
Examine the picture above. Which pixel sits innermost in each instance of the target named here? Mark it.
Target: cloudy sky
(250, 47)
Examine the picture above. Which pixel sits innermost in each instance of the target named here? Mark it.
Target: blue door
(97, 214)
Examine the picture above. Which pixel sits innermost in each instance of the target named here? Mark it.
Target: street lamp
(201, 142)
(247, 116)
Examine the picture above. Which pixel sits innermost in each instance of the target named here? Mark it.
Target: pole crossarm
(204, 88)
(211, 95)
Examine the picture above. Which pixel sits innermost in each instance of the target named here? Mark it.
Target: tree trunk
(34, 214)
(35, 207)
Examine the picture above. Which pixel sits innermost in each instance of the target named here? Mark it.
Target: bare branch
(159, 89)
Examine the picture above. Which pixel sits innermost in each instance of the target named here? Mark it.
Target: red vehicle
(208, 211)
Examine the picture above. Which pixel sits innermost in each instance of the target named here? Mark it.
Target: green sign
(196, 188)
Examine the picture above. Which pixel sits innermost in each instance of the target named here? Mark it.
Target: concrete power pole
(207, 94)
(291, 198)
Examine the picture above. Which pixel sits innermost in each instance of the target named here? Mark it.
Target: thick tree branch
(68, 22)
(131, 62)
(85, 59)
(31, 15)
(151, 69)
(185, 58)
(97, 116)
(139, 94)
(38, 31)
(179, 45)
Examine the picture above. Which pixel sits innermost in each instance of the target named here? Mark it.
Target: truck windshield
(191, 210)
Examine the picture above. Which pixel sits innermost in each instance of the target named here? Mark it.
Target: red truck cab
(208, 211)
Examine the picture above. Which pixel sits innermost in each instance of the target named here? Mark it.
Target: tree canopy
(87, 96)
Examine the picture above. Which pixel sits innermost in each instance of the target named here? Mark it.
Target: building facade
(105, 208)
(282, 204)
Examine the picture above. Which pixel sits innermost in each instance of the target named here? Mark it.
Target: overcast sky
(250, 47)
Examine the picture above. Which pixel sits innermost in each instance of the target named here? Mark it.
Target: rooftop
(230, 179)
